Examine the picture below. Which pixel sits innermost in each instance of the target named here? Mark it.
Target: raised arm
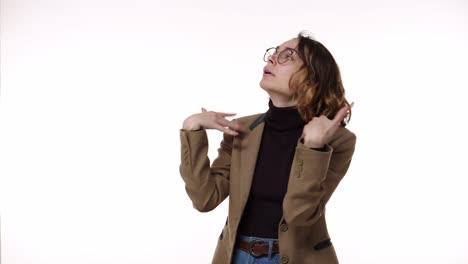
(316, 174)
(207, 186)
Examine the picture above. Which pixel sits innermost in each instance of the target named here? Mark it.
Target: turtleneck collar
(283, 118)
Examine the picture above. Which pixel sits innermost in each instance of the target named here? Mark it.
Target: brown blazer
(302, 231)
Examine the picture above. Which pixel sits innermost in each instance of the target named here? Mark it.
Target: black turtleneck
(283, 128)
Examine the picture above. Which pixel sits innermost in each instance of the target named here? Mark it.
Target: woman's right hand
(212, 120)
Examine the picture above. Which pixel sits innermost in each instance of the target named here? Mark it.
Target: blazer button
(284, 259)
(299, 168)
(284, 227)
(300, 162)
(298, 175)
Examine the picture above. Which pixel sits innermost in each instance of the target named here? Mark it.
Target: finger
(340, 115)
(227, 130)
(222, 121)
(236, 125)
(232, 125)
(226, 114)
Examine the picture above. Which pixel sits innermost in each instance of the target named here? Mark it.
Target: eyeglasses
(284, 56)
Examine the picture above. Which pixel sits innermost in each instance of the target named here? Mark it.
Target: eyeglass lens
(283, 56)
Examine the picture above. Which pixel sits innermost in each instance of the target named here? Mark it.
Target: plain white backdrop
(93, 94)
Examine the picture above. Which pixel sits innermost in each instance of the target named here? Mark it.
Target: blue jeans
(242, 257)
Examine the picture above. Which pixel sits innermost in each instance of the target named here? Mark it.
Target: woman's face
(275, 80)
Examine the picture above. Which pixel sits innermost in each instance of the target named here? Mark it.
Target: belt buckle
(252, 244)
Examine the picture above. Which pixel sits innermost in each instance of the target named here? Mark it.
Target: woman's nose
(272, 59)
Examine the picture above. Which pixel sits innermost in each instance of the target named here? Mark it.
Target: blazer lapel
(250, 146)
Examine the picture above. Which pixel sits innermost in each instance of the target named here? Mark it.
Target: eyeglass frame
(279, 54)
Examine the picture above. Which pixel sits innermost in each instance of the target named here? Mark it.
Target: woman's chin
(266, 85)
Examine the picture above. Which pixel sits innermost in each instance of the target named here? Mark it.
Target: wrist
(187, 125)
(310, 145)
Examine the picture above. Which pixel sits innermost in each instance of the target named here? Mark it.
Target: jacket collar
(257, 121)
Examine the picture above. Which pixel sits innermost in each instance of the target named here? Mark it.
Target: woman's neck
(283, 118)
(282, 102)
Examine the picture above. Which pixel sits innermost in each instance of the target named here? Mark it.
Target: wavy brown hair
(317, 83)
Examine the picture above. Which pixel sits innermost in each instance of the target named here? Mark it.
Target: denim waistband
(252, 238)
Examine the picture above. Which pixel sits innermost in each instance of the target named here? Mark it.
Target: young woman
(279, 168)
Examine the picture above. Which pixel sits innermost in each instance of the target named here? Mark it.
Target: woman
(279, 168)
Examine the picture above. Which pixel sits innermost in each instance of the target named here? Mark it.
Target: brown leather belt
(257, 248)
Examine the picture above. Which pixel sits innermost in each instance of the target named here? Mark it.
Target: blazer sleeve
(314, 177)
(206, 186)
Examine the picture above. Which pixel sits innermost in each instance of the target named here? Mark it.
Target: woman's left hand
(320, 130)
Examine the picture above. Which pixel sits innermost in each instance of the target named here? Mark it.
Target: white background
(94, 92)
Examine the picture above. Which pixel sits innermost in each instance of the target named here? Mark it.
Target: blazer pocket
(324, 244)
